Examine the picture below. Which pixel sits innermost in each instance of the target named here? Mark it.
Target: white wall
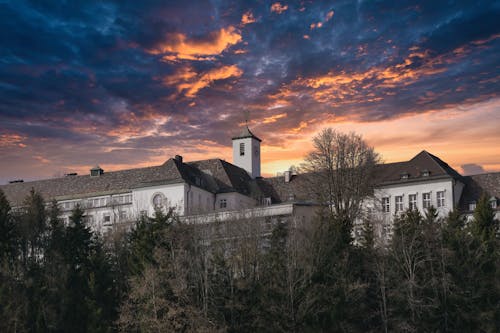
(234, 201)
(173, 194)
(198, 201)
(419, 188)
(251, 160)
(110, 210)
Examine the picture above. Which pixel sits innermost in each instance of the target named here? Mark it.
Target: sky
(128, 83)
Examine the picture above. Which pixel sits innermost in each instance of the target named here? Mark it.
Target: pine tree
(75, 316)
(7, 232)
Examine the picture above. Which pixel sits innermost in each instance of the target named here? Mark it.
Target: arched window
(158, 200)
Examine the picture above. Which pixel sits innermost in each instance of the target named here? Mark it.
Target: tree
(342, 166)
(161, 284)
(32, 225)
(7, 232)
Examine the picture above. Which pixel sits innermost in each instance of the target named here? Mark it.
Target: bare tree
(342, 168)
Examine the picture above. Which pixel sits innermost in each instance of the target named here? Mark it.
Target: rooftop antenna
(246, 114)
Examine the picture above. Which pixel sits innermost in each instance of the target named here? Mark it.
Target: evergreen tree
(485, 249)
(335, 289)
(7, 232)
(75, 316)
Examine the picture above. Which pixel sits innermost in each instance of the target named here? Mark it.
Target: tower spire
(246, 114)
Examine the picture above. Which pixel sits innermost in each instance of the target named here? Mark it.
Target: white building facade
(210, 190)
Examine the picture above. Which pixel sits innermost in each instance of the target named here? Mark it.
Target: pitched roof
(299, 188)
(73, 187)
(476, 185)
(415, 170)
(227, 177)
(246, 133)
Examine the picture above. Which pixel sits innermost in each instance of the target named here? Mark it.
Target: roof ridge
(82, 175)
(432, 157)
(208, 159)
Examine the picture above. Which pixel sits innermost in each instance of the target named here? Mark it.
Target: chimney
(178, 158)
(288, 175)
(96, 171)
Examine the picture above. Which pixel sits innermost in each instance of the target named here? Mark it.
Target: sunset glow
(131, 85)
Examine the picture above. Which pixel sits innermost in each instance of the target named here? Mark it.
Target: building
(215, 190)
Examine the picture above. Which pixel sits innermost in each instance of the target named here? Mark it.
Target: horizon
(129, 85)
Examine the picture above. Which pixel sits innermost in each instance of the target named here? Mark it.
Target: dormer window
(472, 205)
(405, 175)
(242, 149)
(426, 173)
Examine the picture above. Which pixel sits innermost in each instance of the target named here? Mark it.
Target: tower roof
(246, 133)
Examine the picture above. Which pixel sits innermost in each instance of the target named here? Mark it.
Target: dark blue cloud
(68, 66)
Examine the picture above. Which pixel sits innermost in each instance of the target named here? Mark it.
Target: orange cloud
(179, 47)
(329, 15)
(240, 51)
(316, 25)
(247, 18)
(274, 118)
(7, 140)
(342, 88)
(465, 137)
(278, 8)
(189, 82)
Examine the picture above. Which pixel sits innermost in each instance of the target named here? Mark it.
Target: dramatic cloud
(178, 46)
(131, 83)
(278, 8)
(189, 82)
(247, 18)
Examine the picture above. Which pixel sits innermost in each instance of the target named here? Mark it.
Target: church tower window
(242, 149)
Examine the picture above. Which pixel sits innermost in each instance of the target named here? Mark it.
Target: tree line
(253, 275)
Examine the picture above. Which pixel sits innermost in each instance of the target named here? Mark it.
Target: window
(223, 203)
(123, 215)
(440, 198)
(88, 219)
(493, 202)
(426, 200)
(399, 203)
(242, 149)
(106, 218)
(143, 213)
(412, 201)
(385, 205)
